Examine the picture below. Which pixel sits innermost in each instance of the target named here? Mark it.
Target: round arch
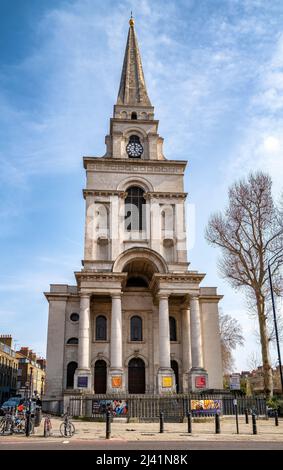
(136, 375)
(136, 356)
(100, 358)
(135, 130)
(135, 181)
(143, 254)
(100, 376)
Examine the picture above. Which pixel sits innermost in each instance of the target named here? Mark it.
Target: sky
(214, 72)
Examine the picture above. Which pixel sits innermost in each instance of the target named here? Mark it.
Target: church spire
(132, 89)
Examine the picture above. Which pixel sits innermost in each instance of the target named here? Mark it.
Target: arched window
(73, 341)
(135, 209)
(71, 367)
(173, 330)
(136, 376)
(134, 115)
(100, 377)
(175, 367)
(136, 328)
(101, 328)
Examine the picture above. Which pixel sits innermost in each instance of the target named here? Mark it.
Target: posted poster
(117, 407)
(199, 407)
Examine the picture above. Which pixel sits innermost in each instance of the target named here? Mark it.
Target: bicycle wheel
(67, 429)
(2, 426)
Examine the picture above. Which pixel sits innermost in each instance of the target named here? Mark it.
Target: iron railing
(174, 407)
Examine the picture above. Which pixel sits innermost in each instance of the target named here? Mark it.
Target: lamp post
(42, 385)
(272, 260)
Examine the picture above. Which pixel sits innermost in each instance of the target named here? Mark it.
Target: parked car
(14, 402)
(11, 404)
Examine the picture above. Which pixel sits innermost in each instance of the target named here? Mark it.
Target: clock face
(134, 147)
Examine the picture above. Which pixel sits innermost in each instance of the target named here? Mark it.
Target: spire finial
(131, 20)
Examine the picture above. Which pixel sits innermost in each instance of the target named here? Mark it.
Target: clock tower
(137, 320)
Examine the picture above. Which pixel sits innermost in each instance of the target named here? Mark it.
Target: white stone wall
(211, 343)
(55, 348)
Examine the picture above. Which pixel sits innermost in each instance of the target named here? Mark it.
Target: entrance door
(136, 376)
(175, 367)
(100, 377)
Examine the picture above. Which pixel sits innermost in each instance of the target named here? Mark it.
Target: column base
(166, 382)
(197, 379)
(116, 381)
(83, 380)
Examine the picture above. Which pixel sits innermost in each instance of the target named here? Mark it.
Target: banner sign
(117, 407)
(199, 407)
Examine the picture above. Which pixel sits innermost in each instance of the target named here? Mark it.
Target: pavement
(147, 436)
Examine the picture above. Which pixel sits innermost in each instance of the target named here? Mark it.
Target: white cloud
(261, 139)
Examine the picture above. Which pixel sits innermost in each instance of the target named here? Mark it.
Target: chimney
(42, 362)
(6, 339)
(24, 351)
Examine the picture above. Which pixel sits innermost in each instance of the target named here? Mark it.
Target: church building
(137, 320)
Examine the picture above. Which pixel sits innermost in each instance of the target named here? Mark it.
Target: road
(143, 445)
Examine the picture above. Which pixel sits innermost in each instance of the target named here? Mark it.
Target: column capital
(116, 295)
(194, 297)
(85, 295)
(162, 295)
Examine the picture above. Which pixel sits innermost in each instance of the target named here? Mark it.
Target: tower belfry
(137, 321)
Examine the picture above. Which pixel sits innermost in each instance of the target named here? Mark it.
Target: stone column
(196, 336)
(116, 380)
(166, 377)
(164, 334)
(83, 377)
(186, 346)
(116, 332)
(198, 378)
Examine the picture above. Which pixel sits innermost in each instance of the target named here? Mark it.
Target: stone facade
(8, 368)
(137, 320)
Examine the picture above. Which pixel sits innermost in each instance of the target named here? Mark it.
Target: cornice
(180, 277)
(103, 192)
(58, 296)
(126, 165)
(210, 298)
(98, 276)
(164, 195)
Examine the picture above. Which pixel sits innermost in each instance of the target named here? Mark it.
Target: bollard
(28, 423)
(276, 418)
(108, 424)
(161, 422)
(217, 423)
(45, 428)
(189, 415)
(247, 415)
(254, 423)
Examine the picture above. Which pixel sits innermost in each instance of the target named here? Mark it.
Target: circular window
(74, 317)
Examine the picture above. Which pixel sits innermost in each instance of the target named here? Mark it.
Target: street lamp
(31, 383)
(272, 260)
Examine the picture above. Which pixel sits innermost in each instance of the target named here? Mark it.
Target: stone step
(120, 419)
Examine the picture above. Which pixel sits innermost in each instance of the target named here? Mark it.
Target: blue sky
(214, 72)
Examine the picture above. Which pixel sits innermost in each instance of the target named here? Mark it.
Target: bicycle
(6, 424)
(67, 429)
(47, 426)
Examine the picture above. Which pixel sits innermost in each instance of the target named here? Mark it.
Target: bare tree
(231, 336)
(248, 234)
(254, 361)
